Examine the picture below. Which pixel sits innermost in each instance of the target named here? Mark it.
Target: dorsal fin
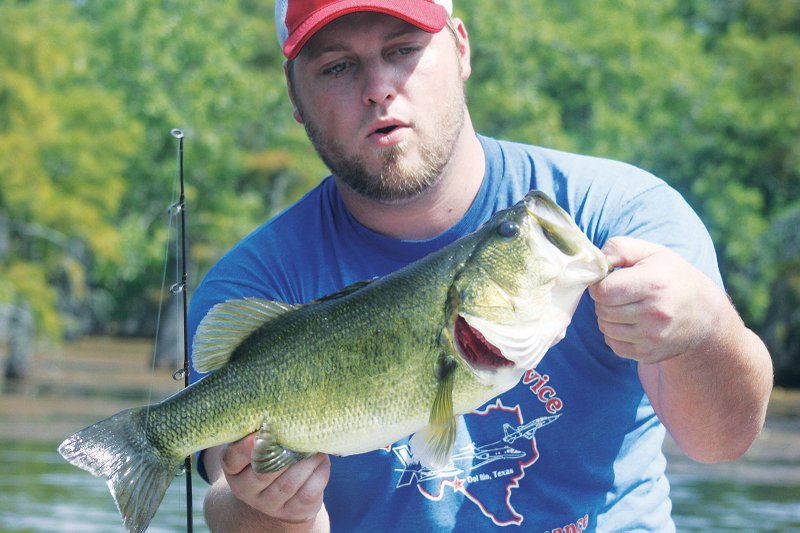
(344, 291)
(226, 325)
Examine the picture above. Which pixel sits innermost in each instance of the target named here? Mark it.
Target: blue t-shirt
(576, 444)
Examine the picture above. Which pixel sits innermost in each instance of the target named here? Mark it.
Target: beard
(398, 178)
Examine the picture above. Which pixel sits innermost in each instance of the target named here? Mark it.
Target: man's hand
(656, 306)
(241, 499)
(290, 495)
(707, 376)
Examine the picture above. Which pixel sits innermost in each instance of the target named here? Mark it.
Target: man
(379, 87)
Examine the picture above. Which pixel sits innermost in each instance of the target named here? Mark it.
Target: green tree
(701, 92)
(61, 153)
(782, 325)
(212, 70)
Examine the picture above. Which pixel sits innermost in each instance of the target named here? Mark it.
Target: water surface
(96, 377)
(40, 493)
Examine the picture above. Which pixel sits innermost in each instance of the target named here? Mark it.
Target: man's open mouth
(387, 129)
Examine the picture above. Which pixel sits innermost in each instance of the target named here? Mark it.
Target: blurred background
(703, 93)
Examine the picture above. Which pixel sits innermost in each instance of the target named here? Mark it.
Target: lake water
(40, 492)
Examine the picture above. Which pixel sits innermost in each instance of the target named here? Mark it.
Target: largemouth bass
(361, 368)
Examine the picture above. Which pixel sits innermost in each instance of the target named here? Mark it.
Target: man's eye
(336, 68)
(407, 50)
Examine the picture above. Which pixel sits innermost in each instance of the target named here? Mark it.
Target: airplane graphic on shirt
(486, 474)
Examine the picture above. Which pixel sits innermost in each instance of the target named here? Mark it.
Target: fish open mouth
(474, 347)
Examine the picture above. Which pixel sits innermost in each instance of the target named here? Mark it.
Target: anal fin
(269, 455)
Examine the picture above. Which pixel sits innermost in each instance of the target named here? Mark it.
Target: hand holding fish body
(361, 368)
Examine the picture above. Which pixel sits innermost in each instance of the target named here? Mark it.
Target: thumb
(627, 251)
(238, 455)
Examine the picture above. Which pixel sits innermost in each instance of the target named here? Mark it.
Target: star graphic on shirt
(458, 484)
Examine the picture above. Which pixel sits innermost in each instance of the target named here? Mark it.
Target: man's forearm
(713, 398)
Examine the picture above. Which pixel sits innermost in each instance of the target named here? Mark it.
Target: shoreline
(87, 380)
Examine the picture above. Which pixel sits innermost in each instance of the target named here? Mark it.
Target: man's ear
(462, 38)
(290, 89)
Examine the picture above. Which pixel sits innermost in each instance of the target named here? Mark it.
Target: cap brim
(426, 16)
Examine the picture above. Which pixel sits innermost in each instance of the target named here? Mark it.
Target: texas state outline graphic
(486, 473)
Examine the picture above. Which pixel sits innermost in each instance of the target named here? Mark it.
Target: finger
(291, 479)
(628, 350)
(626, 333)
(627, 251)
(237, 455)
(620, 314)
(621, 287)
(296, 491)
(309, 495)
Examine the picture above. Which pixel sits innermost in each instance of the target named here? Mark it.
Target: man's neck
(433, 211)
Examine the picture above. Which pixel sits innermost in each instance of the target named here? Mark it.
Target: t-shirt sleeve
(661, 215)
(610, 198)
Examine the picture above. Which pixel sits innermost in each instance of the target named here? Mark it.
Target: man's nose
(380, 83)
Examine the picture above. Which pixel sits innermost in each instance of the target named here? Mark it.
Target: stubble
(400, 177)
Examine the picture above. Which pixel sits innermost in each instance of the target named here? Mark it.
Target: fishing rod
(180, 287)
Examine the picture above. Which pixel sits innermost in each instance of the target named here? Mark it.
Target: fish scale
(363, 367)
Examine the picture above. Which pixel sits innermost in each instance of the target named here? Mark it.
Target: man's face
(382, 102)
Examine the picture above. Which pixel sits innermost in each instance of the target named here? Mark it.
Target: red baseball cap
(297, 20)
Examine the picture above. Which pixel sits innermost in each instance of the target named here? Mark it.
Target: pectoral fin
(433, 445)
(269, 455)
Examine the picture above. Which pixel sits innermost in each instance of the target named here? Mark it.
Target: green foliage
(781, 250)
(88, 95)
(703, 93)
(63, 145)
(210, 70)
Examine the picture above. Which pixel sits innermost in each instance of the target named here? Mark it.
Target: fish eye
(508, 229)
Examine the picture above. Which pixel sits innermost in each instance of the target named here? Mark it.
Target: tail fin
(136, 473)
